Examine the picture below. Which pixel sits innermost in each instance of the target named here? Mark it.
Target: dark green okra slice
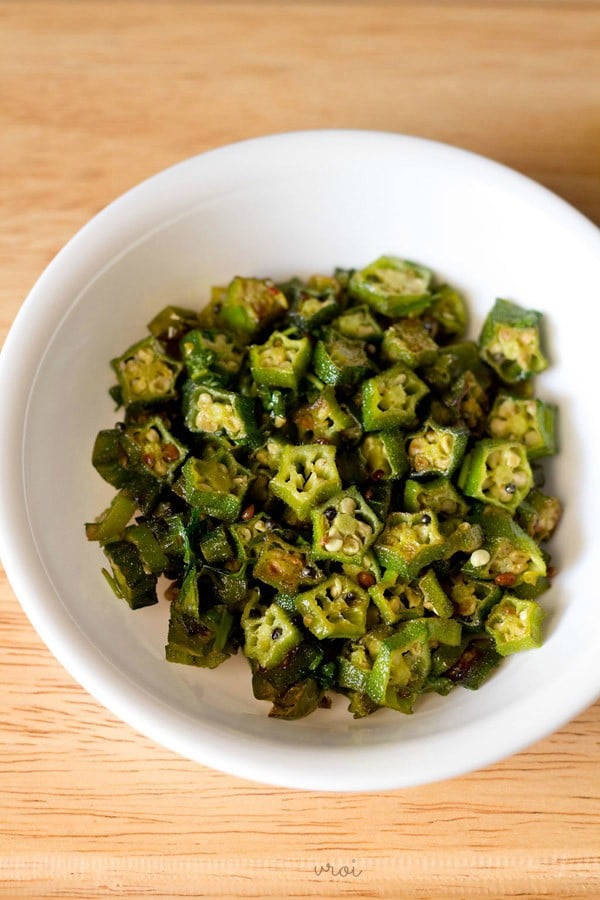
(393, 287)
(210, 350)
(498, 473)
(154, 559)
(215, 486)
(472, 600)
(401, 663)
(306, 476)
(172, 322)
(325, 420)
(409, 542)
(538, 515)
(337, 608)
(250, 304)
(382, 456)
(344, 527)
(202, 640)
(475, 663)
(449, 311)
(467, 403)
(509, 557)
(396, 600)
(313, 304)
(390, 399)
(340, 361)
(408, 341)
(378, 495)
(281, 361)
(213, 411)
(269, 634)
(154, 449)
(284, 566)
(110, 459)
(109, 526)
(146, 374)
(510, 342)
(129, 579)
(526, 420)
(451, 362)
(216, 547)
(358, 324)
(435, 449)
(515, 625)
(441, 496)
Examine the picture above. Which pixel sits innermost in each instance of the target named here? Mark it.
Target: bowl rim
(350, 769)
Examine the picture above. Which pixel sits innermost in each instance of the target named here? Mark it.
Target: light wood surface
(95, 97)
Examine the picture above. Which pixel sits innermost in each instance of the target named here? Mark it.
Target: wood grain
(93, 98)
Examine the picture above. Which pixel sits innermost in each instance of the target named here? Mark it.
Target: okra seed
(520, 479)
(351, 546)
(480, 558)
(336, 588)
(512, 459)
(138, 385)
(348, 505)
(334, 544)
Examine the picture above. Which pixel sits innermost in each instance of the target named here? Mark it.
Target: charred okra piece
(340, 361)
(498, 473)
(306, 476)
(435, 450)
(250, 304)
(515, 625)
(393, 287)
(153, 448)
(408, 341)
(111, 461)
(538, 515)
(146, 374)
(129, 579)
(269, 634)
(526, 420)
(344, 528)
(281, 361)
(324, 420)
(284, 566)
(201, 640)
(510, 342)
(382, 456)
(213, 411)
(337, 608)
(210, 351)
(215, 486)
(390, 399)
(358, 324)
(409, 542)
(475, 664)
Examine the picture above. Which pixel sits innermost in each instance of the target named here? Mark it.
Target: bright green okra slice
(306, 476)
(508, 556)
(215, 486)
(382, 456)
(409, 542)
(435, 598)
(205, 351)
(146, 374)
(396, 600)
(269, 634)
(393, 286)
(472, 600)
(497, 472)
(250, 304)
(539, 515)
(109, 526)
(281, 361)
(435, 449)
(408, 341)
(358, 324)
(213, 411)
(390, 399)
(344, 527)
(401, 663)
(337, 608)
(526, 420)
(510, 342)
(441, 496)
(340, 361)
(325, 420)
(515, 625)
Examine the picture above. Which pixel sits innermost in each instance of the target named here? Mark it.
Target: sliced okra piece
(250, 533)
(129, 579)
(172, 322)
(393, 286)
(401, 665)
(443, 631)
(146, 374)
(449, 311)
(515, 625)
(210, 350)
(538, 515)
(408, 341)
(435, 449)
(268, 455)
(314, 304)
(306, 476)
(396, 600)
(358, 324)
(340, 361)
(390, 399)
(269, 634)
(281, 361)
(215, 546)
(509, 557)
(301, 662)
(213, 411)
(202, 641)
(441, 496)
(510, 342)
(526, 420)
(344, 528)
(366, 572)
(409, 542)
(109, 526)
(284, 566)
(475, 664)
(153, 448)
(300, 700)
(382, 456)
(210, 315)
(325, 420)
(214, 486)
(337, 608)
(153, 557)
(435, 598)
(110, 459)
(379, 496)
(451, 362)
(250, 304)
(468, 402)
(472, 600)
(497, 472)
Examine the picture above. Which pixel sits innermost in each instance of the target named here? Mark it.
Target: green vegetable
(393, 286)
(510, 342)
(498, 473)
(391, 398)
(146, 374)
(515, 625)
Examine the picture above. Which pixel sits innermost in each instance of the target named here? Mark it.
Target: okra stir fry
(336, 483)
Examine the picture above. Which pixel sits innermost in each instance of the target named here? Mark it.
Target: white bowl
(284, 205)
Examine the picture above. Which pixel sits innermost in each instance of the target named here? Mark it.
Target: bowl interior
(280, 207)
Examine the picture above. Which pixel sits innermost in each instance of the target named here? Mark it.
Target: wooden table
(95, 97)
